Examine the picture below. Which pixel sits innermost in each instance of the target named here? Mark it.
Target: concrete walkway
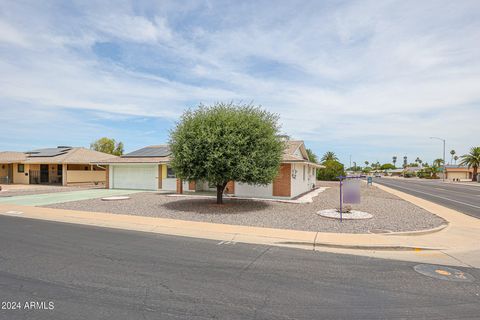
(457, 244)
(59, 197)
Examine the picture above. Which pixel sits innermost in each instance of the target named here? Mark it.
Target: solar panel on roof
(150, 152)
(47, 152)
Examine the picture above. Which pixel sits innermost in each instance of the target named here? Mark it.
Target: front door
(44, 173)
(10, 173)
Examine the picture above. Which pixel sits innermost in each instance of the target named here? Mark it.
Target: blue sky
(371, 79)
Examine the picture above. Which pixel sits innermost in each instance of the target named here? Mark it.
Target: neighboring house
(454, 172)
(394, 172)
(402, 171)
(58, 166)
(148, 169)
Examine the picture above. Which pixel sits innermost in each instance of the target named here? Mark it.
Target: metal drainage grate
(443, 273)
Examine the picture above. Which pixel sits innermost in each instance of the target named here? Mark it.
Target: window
(170, 172)
(59, 170)
(21, 168)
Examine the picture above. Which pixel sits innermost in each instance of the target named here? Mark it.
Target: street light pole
(443, 140)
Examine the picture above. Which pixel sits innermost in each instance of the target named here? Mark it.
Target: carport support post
(64, 174)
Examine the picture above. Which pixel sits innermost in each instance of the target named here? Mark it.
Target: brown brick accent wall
(282, 183)
(230, 187)
(191, 186)
(179, 186)
(107, 177)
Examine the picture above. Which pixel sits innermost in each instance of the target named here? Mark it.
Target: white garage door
(135, 177)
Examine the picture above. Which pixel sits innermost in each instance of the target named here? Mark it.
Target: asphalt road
(460, 197)
(96, 273)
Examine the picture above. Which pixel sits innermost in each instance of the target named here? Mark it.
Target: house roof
(458, 168)
(149, 154)
(60, 155)
(295, 152)
(12, 157)
(159, 151)
(152, 154)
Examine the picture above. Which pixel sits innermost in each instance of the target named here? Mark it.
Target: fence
(44, 177)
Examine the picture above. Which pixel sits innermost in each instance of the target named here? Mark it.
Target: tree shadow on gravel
(209, 206)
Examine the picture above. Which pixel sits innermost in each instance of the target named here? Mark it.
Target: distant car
(378, 175)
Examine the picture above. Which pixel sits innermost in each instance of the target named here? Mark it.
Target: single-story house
(148, 169)
(62, 165)
(395, 172)
(457, 172)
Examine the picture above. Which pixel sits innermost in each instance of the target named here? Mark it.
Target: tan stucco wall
(457, 175)
(79, 176)
(164, 171)
(20, 178)
(3, 170)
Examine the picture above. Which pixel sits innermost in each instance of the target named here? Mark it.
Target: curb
(377, 248)
(417, 233)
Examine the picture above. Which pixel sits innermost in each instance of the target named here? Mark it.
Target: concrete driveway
(60, 197)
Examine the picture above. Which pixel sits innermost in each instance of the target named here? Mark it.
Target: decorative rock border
(115, 198)
(352, 215)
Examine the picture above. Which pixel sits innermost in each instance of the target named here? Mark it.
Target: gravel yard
(390, 212)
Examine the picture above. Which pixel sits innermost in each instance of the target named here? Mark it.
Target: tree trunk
(475, 172)
(220, 188)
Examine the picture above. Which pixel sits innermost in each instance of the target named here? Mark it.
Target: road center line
(434, 195)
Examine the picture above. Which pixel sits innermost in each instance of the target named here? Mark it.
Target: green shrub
(332, 170)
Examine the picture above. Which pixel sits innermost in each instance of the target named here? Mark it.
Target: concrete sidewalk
(42, 199)
(457, 244)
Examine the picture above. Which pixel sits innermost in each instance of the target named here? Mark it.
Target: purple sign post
(341, 198)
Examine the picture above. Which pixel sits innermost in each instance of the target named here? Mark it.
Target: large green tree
(387, 166)
(472, 160)
(333, 169)
(107, 145)
(227, 142)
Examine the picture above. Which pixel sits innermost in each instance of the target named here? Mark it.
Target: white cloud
(374, 72)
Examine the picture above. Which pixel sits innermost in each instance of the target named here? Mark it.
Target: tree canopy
(227, 142)
(107, 145)
(333, 169)
(312, 156)
(387, 166)
(329, 155)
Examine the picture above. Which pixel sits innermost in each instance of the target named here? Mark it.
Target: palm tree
(311, 156)
(433, 171)
(438, 162)
(455, 158)
(472, 160)
(329, 155)
(366, 163)
(452, 153)
(394, 160)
